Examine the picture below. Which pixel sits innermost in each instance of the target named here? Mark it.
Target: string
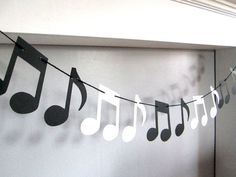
(18, 45)
(119, 97)
(70, 75)
(126, 99)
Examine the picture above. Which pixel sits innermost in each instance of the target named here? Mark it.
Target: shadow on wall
(175, 91)
(178, 90)
(170, 95)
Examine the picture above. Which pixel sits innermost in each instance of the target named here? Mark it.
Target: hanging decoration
(60, 113)
(204, 119)
(22, 102)
(180, 127)
(91, 125)
(55, 115)
(215, 96)
(154, 131)
(129, 132)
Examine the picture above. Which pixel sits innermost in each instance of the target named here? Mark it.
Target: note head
(128, 133)
(204, 120)
(152, 134)
(89, 126)
(179, 129)
(55, 115)
(165, 134)
(213, 112)
(110, 132)
(23, 103)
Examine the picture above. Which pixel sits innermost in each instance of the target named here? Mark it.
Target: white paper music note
(91, 125)
(215, 96)
(195, 120)
(129, 132)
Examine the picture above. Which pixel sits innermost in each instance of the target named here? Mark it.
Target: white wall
(154, 20)
(31, 148)
(226, 142)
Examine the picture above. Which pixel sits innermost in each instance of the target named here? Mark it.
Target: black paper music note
(180, 127)
(223, 99)
(56, 115)
(22, 102)
(153, 132)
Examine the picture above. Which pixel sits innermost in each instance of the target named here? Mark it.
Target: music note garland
(24, 103)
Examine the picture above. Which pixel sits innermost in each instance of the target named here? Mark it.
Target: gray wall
(226, 142)
(31, 148)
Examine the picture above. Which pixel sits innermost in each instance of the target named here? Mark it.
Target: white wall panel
(31, 148)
